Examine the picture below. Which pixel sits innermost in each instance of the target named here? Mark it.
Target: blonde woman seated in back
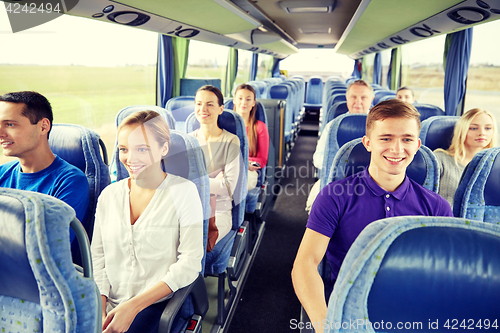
(245, 105)
(148, 233)
(222, 156)
(474, 131)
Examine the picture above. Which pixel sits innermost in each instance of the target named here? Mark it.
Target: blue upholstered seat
(314, 93)
(353, 157)
(180, 107)
(418, 269)
(284, 92)
(40, 289)
(428, 110)
(344, 128)
(383, 93)
(477, 196)
(437, 131)
(82, 148)
(333, 99)
(234, 244)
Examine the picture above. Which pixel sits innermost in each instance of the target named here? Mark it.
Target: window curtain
(377, 69)
(181, 53)
(253, 69)
(164, 70)
(231, 70)
(356, 73)
(276, 67)
(456, 65)
(394, 73)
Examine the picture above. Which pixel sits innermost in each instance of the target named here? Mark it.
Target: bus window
(207, 61)
(318, 62)
(386, 61)
(87, 69)
(244, 65)
(422, 70)
(265, 66)
(483, 78)
(368, 61)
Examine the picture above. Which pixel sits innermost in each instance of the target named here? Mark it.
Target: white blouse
(164, 244)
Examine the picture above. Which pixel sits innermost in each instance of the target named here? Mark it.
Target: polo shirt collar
(378, 191)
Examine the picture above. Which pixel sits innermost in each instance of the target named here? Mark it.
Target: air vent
(310, 31)
(306, 7)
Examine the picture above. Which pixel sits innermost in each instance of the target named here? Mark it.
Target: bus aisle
(268, 302)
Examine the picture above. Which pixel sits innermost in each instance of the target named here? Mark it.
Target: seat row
(228, 261)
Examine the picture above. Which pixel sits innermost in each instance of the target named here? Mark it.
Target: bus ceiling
(279, 28)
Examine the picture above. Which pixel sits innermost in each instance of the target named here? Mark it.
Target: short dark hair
(214, 90)
(392, 108)
(406, 88)
(36, 106)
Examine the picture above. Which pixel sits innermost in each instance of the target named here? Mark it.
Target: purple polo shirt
(344, 208)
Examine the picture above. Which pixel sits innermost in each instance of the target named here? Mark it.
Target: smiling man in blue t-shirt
(25, 123)
(345, 207)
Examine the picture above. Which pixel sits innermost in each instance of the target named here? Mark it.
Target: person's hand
(220, 175)
(120, 318)
(252, 168)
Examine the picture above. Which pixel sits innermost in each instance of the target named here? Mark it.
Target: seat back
(419, 270)
(83, 148)
(314, 94)
(335, 110)
(333, 99)
(41, 291)
(180, 107)
(344, 128)
(437, 131)
(477, 194)
(218, 258)
(126, 111)
(383, 93)
(353, 157)
(282, 91)
(428, 110)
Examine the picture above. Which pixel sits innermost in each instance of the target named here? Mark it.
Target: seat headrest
(66, 142)
(351, 128)
(339, 108)
(315, 81)
(491, 197)
(428, 110)
(280, 91)
(437, 132)
(181, 107)
(176, 161)
(126, 111)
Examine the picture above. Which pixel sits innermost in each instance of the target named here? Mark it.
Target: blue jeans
(148, 320)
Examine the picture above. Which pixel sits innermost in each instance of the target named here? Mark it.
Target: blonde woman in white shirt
(148, 233)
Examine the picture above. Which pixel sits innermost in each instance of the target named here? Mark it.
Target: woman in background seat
(222, 156)
(474, 131)
(245, 105)
(148, 233)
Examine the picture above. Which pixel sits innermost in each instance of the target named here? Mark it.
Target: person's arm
(120, 318)
(319, 153)
(262, 144)
(307, 282)
(231, 173)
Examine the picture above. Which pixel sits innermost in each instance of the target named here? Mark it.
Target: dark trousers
(148, 320)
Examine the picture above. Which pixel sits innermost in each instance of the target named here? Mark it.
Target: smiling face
(392, 142)
(406, 95)
(359, 99)
(139, 151)
(20, 138)
(480, 132)
(244, 101)
(207, 108)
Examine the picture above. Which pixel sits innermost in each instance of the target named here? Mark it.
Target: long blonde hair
(252, 121)
(457, 147)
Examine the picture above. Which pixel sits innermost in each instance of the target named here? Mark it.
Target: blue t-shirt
(345, 207)
(60, 180)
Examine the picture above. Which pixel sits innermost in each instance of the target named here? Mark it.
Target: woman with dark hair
(148, 233)
(222, 158)
(245, 105)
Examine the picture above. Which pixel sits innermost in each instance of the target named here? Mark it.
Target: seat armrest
(199, 294)
(239, 252)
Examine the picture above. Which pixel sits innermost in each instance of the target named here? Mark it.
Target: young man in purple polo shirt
(345, 207)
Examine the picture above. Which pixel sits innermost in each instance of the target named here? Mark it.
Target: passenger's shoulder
(230, 137)
(8, 166)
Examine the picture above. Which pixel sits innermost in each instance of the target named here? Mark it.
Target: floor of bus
(268, 302)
